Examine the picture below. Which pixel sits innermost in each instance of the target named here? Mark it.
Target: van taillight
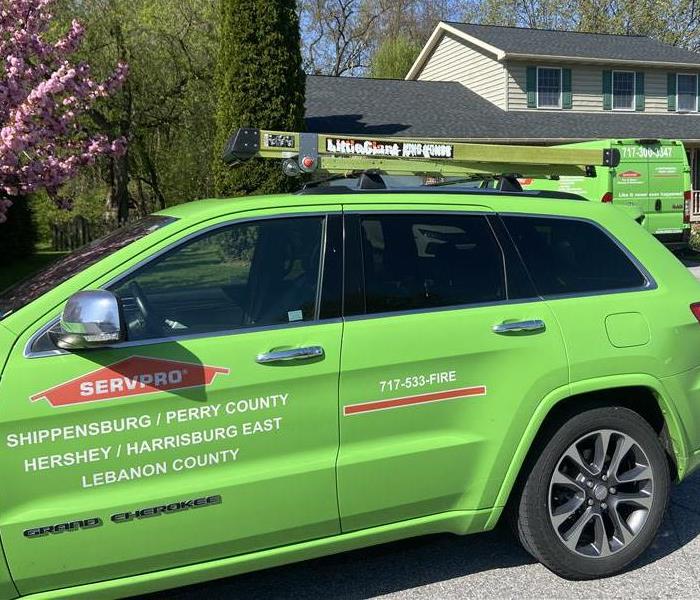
(695, 309)
(687, 195)
(607, 197)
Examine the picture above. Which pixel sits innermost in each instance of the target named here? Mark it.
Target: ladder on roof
(349, 154)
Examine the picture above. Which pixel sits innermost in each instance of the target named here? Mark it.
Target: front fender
(7, 587)
(679, 440)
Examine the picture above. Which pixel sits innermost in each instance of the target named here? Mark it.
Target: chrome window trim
(459, 210)
(175, 338)
(650, 281)
(28, 353)
(453, 307)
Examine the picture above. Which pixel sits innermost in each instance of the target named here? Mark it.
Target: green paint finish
(671, 91)
(626, 330)
(321, 456)
(649, 182)
(639, 99)
(566, 96)
(607, 90)
(531, 84)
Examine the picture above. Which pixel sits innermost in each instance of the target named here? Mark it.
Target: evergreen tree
(394, 57)
(260, 84)
(18, 234)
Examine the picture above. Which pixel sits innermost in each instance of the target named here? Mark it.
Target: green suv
(232, 385)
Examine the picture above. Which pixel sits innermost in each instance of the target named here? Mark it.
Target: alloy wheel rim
(600, 493)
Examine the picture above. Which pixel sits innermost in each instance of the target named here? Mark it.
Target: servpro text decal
(130, 377)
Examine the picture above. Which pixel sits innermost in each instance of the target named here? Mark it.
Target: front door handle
(275, 356)
(530, 326)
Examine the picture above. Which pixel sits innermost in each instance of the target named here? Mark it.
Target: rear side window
(419, 261)
(569, 256)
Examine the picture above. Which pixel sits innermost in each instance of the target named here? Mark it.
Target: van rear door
(652, 176)
(668, 172)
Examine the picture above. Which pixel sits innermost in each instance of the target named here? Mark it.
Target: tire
(595, 496)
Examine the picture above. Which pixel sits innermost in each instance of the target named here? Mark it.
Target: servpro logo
(133, 376)
(629, 175)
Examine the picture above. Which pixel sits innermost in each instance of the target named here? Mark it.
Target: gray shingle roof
(544, 42)
(447, 109)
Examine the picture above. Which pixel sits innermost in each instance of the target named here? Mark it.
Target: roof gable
(574, 44)
(520, 42)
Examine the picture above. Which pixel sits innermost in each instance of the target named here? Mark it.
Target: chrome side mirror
(90, 319)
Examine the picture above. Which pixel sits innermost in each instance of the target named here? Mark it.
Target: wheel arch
(642, 393)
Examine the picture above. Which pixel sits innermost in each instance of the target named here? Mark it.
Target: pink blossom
(42, 96)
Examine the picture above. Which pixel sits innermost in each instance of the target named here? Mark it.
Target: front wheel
(596, 495)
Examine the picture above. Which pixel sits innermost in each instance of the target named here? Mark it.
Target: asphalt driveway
(488, 565)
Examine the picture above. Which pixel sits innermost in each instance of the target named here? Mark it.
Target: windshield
(28, 290)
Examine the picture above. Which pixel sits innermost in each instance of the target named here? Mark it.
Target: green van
(652, 181)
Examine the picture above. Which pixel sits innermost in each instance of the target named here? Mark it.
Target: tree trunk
(152, 172)
(120, 188)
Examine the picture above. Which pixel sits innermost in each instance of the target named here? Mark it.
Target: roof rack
(348, 154)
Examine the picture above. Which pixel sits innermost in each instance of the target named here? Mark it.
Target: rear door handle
(531, 326)
(275, 356)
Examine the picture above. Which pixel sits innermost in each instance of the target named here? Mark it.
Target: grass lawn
(18, 270)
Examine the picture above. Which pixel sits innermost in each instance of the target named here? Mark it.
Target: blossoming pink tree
(42, 96)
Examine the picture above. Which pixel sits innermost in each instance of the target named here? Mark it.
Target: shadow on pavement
(417, 562)
(369, 572)
(689, 257)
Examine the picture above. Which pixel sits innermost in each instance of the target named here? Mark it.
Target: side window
(244, 275)
(548, 87)
(568, 256)
(417, 261)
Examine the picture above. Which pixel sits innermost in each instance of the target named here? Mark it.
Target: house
(516, 85)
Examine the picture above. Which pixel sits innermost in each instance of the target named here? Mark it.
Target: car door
(212, 432)
(446, 352)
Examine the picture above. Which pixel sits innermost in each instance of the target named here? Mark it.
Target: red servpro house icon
(629, 175)
(130, 377)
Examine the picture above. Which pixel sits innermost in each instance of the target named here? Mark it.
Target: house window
(548, 87)
(687, 92)
(623, 90)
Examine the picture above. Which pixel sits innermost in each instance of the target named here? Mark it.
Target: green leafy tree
(675, 22)
(394, 57)
(260, 84)
(165, 109)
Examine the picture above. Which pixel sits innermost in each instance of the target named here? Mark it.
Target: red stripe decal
(353, 409)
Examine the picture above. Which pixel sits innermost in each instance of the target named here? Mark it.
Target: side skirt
(458, 522)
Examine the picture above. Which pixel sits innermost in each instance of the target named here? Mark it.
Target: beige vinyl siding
(587, 86)
(655, 91)
(454, 60)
